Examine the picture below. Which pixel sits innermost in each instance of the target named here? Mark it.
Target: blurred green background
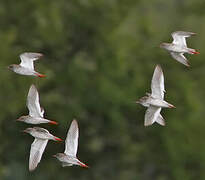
(99, 58)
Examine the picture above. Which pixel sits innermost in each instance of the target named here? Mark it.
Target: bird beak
(25, 131)
(54, 156)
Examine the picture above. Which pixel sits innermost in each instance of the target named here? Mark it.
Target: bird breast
(23, 71)
(40, 135)
(177, 48)
(68, 159)
(158, 102)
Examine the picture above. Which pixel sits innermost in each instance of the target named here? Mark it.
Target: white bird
(155, 101)
(178, 46)
(26, 66)
(68, 158)
(38, 146)
(35, 111)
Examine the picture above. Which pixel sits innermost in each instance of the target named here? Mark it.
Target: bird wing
(28, 58)
(180, 58)
(151, 115)
(157, 84)
(37, 149)
(42, 111)
(33, 103)
(41, 130)
(71, 142)
(64, 164)
(179, 37)
(160, 120)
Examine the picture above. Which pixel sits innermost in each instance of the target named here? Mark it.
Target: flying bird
(178, 46)
(38, 146)
(35, 111)
(68, 158)
(26, 66)
(155, 101)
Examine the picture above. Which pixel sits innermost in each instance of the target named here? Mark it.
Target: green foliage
(99, 59)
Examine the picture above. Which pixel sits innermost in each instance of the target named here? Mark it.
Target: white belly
(25, 71)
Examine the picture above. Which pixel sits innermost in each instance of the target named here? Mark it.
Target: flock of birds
(36, 116)
(154, 103)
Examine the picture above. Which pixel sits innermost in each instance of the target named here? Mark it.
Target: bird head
(59, 155)
(143, 101)
(12, 66)
(164, 45)
(28, 130)
(22, 118)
